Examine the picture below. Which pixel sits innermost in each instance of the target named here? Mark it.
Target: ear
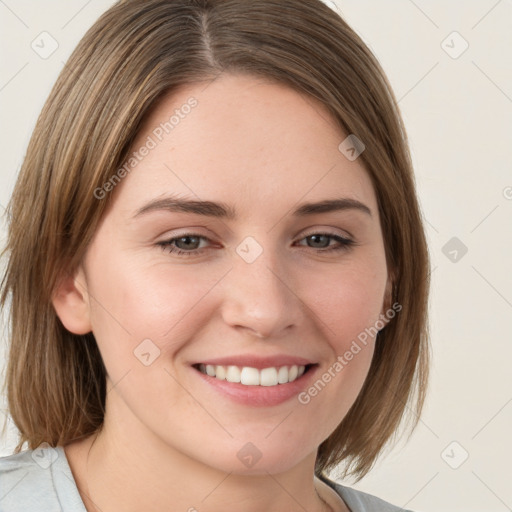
(71, 302)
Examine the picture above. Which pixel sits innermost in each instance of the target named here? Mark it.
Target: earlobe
(71, 302)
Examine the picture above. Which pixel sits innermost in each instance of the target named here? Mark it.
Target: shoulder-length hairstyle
(137, 52)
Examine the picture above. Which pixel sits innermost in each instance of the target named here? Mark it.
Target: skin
(170, 442)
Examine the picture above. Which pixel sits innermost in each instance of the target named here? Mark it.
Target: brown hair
(133, 55)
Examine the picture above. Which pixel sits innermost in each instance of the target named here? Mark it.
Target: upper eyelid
(329, 232)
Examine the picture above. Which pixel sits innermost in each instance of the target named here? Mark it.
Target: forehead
(246, 141)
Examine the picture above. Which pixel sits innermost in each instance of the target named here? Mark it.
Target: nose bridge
(258, 292)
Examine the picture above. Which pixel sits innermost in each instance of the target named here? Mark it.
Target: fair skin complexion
(171, 440)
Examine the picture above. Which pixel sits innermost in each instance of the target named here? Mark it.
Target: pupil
(194, 239)
(316, 237)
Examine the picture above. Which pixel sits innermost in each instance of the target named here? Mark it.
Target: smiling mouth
(248, 376)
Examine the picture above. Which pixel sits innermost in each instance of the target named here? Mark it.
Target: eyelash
(167, 245)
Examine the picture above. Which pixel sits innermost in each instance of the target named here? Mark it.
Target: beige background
(458, 111)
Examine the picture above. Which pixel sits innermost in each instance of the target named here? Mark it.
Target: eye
(321, 242)
(190, 244)
(185, 245)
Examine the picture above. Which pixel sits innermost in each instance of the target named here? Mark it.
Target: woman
(217, 270)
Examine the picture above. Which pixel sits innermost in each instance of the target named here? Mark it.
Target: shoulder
(35, 480)
(359, 501)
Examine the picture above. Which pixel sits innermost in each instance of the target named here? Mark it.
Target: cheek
(142, 318)
(348, 305)
(134, 301)
(348, 301)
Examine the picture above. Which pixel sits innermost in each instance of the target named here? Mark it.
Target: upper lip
(258, 362)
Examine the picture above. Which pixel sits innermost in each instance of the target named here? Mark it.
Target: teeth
(268, 377)
(252, 376)
(233, 374)
(220, 373)
(282, 375)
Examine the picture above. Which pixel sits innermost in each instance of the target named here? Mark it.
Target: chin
(252, 459)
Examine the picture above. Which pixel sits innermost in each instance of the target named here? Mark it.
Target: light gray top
(41, 480)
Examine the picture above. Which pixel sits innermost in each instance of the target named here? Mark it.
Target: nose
(261, 297)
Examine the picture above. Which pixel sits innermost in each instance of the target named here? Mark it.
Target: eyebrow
(224, 211)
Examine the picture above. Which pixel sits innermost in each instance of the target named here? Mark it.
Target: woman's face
(220, 254)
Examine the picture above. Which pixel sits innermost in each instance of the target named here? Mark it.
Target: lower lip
(259, 396)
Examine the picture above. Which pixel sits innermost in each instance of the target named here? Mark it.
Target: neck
(117, 476)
